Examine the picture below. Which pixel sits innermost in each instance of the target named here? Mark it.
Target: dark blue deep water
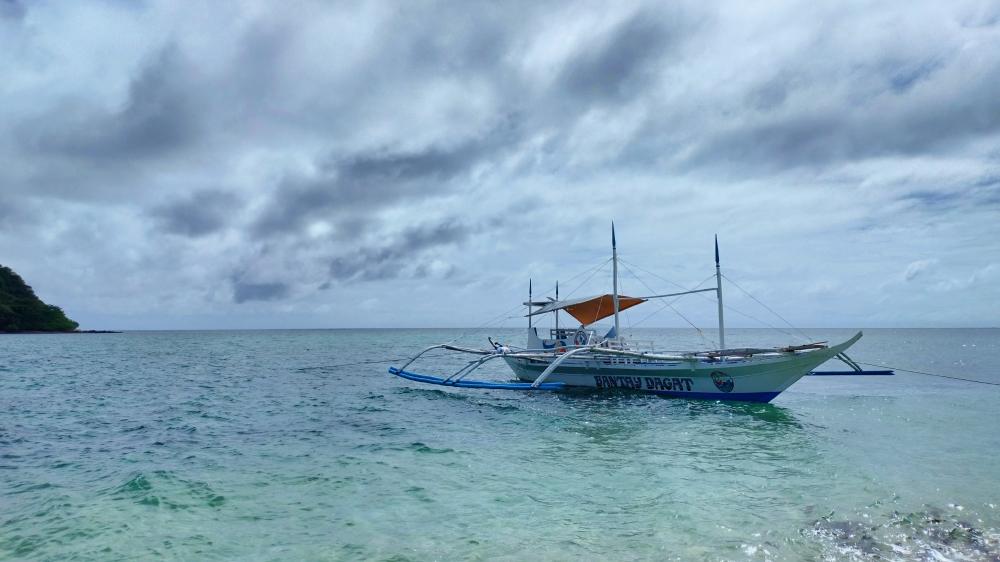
(257, 446)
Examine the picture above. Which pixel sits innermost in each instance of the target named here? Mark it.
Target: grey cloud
(878, 127)
(771, 94)
(12, 9)
(393, 258)
(433, 163)
(259, 58)
(984, 191)
(620, 66)
(297, 201)
(371, 181)
(476, 43)
(839, 106)
(904, 75)
(244, 291)
(15, 214)
(986, 16)
(933, 199)
(401, 255)
(201, 213)
(158, 116)
(783, 143)
(391, 81)
(989, 180)
(941, 195)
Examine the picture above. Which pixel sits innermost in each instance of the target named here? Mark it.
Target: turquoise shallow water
(255, 446)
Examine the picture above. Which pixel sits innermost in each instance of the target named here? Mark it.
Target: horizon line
(112, 330)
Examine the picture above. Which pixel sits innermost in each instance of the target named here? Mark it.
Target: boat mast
(718, 293)
(529, 303)
(557, 311)
(614, 260)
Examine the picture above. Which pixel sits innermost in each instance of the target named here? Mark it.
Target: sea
(298, 445)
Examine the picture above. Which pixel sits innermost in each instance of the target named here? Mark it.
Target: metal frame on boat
(579, 358)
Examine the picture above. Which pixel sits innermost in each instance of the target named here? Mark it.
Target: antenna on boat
(614, 259)
(529, 303)
(718, 293)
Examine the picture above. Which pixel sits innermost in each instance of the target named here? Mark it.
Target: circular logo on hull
(722, 381)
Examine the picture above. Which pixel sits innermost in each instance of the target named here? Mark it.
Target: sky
(172, 165)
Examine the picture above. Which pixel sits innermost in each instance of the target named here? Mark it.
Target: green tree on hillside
(21, 310)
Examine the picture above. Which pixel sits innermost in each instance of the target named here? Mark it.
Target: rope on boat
(667, 304)
(497, 321)
(499, 318)
(592, 271)
(768, 308)
(929, 374)
(727, 307)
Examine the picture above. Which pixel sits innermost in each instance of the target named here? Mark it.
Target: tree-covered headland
(22, 311)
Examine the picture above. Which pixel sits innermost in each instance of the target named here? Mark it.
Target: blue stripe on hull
(728, 397)
(852, 373)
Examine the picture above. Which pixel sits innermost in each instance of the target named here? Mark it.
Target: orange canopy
(596, 308)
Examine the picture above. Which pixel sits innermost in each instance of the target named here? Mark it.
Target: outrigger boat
(578, 357)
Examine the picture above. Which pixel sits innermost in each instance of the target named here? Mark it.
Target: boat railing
(640, 345)
(570, 334)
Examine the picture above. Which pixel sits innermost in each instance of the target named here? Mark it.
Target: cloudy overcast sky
(323, 164)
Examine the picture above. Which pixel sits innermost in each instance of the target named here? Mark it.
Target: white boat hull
(750, 379)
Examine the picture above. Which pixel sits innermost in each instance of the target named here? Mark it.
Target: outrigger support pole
(472, 366)
(850, 362)
(552, 366)
(448, 347)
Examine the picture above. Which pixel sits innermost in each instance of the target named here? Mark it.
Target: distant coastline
(3, 332)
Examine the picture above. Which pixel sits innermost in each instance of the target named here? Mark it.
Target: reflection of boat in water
(579, 357)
